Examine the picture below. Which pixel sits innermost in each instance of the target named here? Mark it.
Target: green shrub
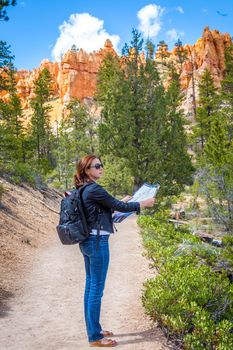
(161, 239)
(191, 302)
(208, 335)
(228, 240)
(18, 173)
(208, 254)
(189, 299)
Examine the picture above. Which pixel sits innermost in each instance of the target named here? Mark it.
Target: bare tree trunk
(193, 89)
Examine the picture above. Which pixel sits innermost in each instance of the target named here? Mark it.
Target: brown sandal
(107, 333)
(104, 343)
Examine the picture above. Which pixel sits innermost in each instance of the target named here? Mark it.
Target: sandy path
(48, 312)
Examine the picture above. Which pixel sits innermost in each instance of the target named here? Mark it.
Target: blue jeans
(96, 259)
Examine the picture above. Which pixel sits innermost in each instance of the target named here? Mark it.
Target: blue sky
(40, 29)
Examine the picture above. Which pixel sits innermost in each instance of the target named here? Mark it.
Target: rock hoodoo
(76, 74)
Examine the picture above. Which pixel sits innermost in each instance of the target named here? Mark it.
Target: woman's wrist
(126, 199)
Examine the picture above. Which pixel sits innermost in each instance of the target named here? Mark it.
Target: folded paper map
(146, 191)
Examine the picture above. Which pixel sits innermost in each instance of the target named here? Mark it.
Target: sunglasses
(97, 166)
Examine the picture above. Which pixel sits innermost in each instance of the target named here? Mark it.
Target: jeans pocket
(104, 238)
(87, 247)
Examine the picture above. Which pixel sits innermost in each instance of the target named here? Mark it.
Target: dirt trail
(47, 314)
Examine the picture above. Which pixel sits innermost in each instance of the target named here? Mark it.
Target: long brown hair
(81, 177)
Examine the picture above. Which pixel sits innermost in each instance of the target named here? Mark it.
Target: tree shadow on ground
(4, 300)
(149, 335)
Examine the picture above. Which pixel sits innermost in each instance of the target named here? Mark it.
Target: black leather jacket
(99, 205)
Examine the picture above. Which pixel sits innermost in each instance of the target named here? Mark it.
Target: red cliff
(76, 74)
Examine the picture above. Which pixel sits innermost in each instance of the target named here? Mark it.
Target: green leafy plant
(18, 173)
(188, 298)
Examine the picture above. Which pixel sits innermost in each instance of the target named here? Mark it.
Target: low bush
(227, 252)
(18, 173)
(190, 301)
(161, 239)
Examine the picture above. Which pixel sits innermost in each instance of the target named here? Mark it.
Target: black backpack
(72, 226)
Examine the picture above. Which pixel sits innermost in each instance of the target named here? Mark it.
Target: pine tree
(162, 50)
(135, 118)
(150, 49)
(216, 176)
(74, 48)
(227, 92)
(177, 164)
(193, 95)
(217, 146)
(65, 159)
(15, 105)
(82, 126)
(6, 64)
(215, 173)
(76, 136)
(12, 129)
(112, 90)
(180, 53)
(117, 178)
(207, 108)
(3, 5)
(41, 133)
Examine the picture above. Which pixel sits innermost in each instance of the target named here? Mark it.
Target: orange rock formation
(208, 52)
(76, 74)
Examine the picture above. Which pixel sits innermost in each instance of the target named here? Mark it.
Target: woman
(98, 207)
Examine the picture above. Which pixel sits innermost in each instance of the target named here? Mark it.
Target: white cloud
(84, 31)
(204, 10)
(180, 9)
(173, 35)
(150, 20)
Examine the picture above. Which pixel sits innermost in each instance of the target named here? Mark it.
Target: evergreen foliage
(12, 130)
(41, 137)
(162, 47)
(140, 121)
(74, 48)
(215, 173)
(227, 92)
(180, 53)
(6, 64)
(3, 5)
(207, 108)
(217, 146)
(76, 137)
(176, 166)
(117, 178)
(26, 149)
(6, 56)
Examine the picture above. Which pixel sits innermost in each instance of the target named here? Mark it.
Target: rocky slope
(26, 217)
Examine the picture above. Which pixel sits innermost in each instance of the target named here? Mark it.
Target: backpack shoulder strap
(81, 189)
(80, 192)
